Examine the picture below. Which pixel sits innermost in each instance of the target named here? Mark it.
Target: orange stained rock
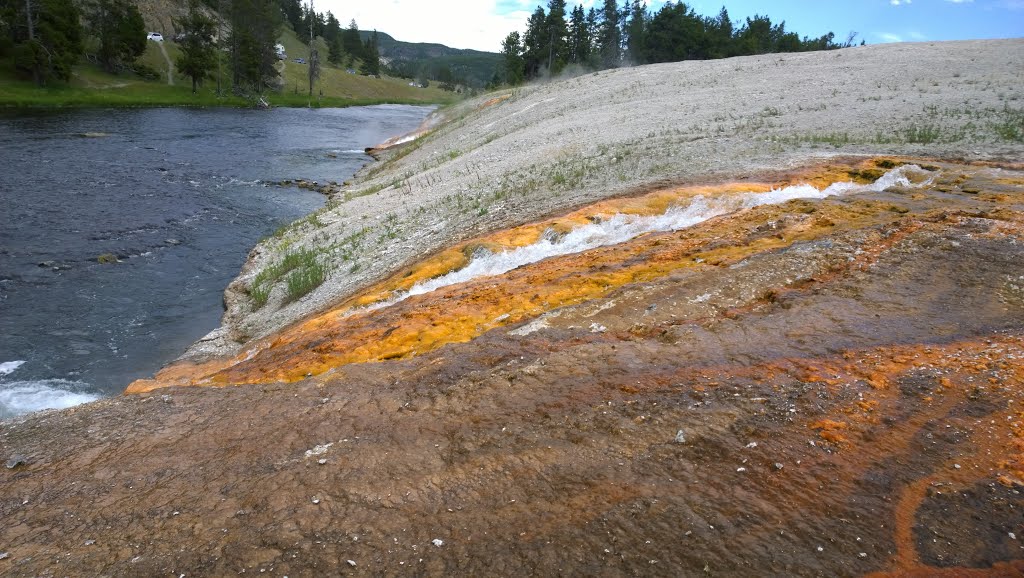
(994, 452)
(829, 430)
(459, 313)
(647, 204)
(348, 334)
(493, 101)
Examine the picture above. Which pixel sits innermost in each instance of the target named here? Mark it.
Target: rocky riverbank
(578, 329)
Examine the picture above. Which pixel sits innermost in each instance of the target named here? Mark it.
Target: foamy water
(19, 397)
(621, 228)
(8, 367)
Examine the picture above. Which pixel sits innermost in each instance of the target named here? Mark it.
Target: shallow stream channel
(178, 197)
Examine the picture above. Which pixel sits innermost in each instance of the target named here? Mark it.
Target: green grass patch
(922, 133)
(304, 273)
(1010, 124)
(305, 279)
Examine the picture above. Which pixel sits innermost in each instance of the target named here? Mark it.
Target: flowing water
(179, 197)
(621, 228)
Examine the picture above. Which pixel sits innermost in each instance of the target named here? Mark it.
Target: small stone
(820, 549)
(351, 562)
(680, 437)
(741, 469)
(4, 555)
(173, 242)
(46, 264)
(437, 542)
(957, 466)
(1012, 535)
(751, 445)
(90, 542)
(316, 500)
(597, 328)
(15, 461)
(778, 465)
(863, 554)
(321, 461)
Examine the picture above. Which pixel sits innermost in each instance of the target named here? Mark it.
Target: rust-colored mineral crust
(351, 333)
(816, 388)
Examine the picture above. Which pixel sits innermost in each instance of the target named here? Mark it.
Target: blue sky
(482, 24)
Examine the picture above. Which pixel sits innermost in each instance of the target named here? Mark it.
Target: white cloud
(887, 37)
(899, 2)
(473, 24)
(960, 1)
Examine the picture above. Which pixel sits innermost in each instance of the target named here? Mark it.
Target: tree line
(44, 39)
(344, 45)
(613, 36)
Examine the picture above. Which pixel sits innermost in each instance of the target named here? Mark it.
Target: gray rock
(16, 460)
(680, 437)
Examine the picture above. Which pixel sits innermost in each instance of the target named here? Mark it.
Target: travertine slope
(512, 158)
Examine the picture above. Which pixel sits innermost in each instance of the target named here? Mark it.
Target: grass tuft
(307, 273)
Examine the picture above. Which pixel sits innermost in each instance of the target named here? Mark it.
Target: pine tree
(610, 38)
(50, 41)
(292, 10)
(198, 53)
(720, 35)
(332, 35)
(118, 26)
(511, 50)
(371, 56)
(254, 27)
(635, 31)
(314, 55)
(558, 33)
(335, 51)
(579, 37)
(535, 44)
(594, 31)
(351, 42)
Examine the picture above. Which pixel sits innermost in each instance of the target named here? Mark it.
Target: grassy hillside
(335, 82)
(90, 86)
(474, 66)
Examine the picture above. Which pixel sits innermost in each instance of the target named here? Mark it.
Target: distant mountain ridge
(475, 67)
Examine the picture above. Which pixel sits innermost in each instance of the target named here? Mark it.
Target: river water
(179, 197)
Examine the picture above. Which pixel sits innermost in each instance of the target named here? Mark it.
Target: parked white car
(155, 37)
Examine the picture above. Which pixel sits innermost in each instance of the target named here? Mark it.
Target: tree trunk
(31, 39)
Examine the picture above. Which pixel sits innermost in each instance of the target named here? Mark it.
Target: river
(179, 196)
